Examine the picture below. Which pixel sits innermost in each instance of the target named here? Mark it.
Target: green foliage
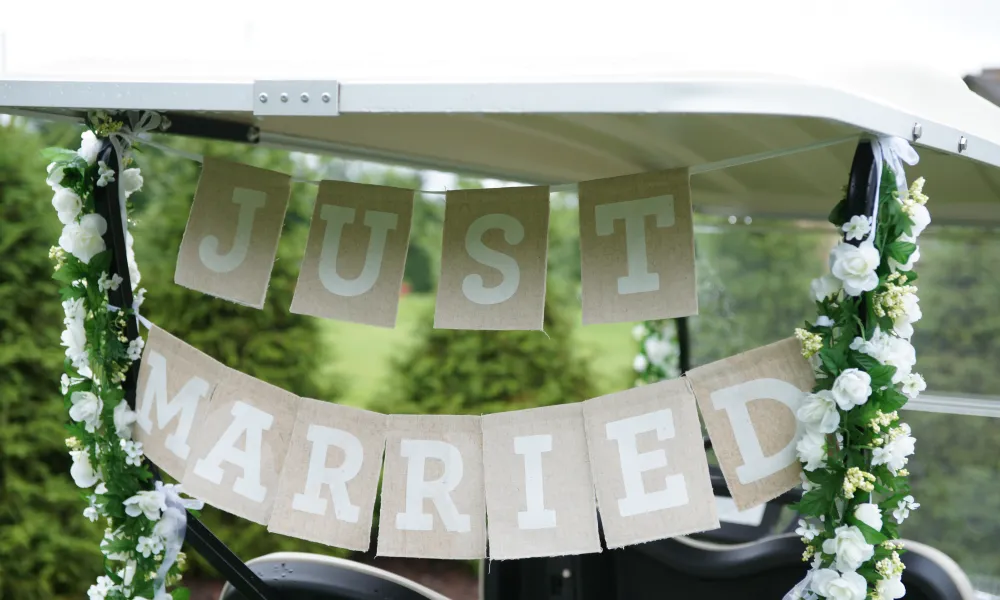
(476, 372)
(47, 549)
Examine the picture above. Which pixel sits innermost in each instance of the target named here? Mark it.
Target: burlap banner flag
(539, 491)
(749, 402)
(493, 259)
(330, 476)
(649, 464)
(176, 382)
(637, 248)
(433, 504)
(239, 448)
(232, 234)
(353, 265)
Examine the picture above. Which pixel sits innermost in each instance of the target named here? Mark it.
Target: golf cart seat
(301, 576)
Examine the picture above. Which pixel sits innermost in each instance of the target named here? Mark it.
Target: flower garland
(855, 448)
(107, 462)
(658, 351)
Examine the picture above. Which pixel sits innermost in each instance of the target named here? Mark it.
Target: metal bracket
(316, 98)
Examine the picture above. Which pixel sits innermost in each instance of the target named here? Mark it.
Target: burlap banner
(232, 234)
(748, 402)
(310, 469)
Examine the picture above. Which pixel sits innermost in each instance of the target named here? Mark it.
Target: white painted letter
(439, 490)
(637, 500)
(734, 401)
(253, 422)
(208, 250)
(184, 405)
(513, 233)
(537, 516)
(336, 217)
(334, 477)
(634, 212)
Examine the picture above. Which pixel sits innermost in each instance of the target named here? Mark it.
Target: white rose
(86, 409)
(903, 324)
(913, 384)
(149, 503)
(870, 515)
(824, 287)
(67, 204)
(891, 589)
(811, 450)
(74, 310)
(640, 364)
(850, 548)
(894, 454)
(639, 332)
(831, 584)
(657, 350)
(83, 240)
(74, 338)
(852, 388)
(55, 176)
(131, 181)
(824, 321)
(921, 218)
(857, 228)
(855, 267)
(901, 355)
(82, 471)
(819, 411)
(90, 147)
(124, 417)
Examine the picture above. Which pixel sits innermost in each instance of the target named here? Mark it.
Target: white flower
(890, 589)
(857, 228)
(105, 284)
(903, 508)
(870, 515)
(806, 530)
(133, 452)
(806, 484)
(128, 573)
(74, 310)
(83, 240)
(140, 297)
(825, 321)
(105, 174)
(109, 538)
(74, 338)
(640, 364)
(149, 503)
(90, 147)
(55, 176)
(66, 381)
(819, 412)
(131, 181)
(852, 388)
(639, 332)
(811, 450)
(101, 589)
(889, 350)
(921, 218)
(149, 546)
(82, 471)
(855, 267)
(824, 287)
(657, 350)
(894, 453)
(895, 265)
(831, 584)
(850, 548)
(903, 324)
(124, 417)
(133, 268)
(67, 204)
(102, 488)
(91, 512)
(135, 347)
(913, 384)
(86, 409)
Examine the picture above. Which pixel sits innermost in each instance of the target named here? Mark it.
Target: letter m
(182, 406)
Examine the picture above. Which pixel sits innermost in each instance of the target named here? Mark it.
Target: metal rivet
(284, 97)
(918, 130)
(566, 573)
(747, 220)
(262, 98)
(304, 97)
(962, 144)
(732, 219)
(325, 97)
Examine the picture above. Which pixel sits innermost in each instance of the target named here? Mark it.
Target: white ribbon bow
(893, 151)
(172, 527)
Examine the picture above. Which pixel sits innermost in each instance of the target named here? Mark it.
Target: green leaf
(863, 361)
(871, 536)
(900, 251)
(58, 155)
(813, 503)
(181, 594)
(838, 215)
(881, 375)
(101, 262)
(892, 400)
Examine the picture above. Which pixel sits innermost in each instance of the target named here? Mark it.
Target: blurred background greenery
(753, 289)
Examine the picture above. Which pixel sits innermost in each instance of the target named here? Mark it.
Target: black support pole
(198, 536)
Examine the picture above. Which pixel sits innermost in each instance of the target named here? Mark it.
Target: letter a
(336, 217)
(208, 250)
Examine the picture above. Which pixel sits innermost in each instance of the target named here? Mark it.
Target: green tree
(47, 548)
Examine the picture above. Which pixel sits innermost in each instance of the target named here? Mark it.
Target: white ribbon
(172, 527)
(135, 309)
(801, 589)
(893, 151)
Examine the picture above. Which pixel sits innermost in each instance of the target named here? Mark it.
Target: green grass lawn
(363, 353)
